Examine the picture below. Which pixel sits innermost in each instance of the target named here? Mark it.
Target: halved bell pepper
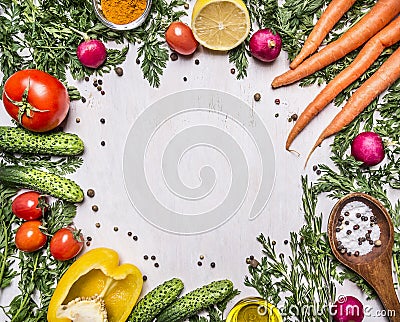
(98, 273)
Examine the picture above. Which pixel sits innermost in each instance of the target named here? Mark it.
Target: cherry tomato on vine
(180, 38)
(36, 100)
(27, 206)
(66, 243)
(29, 238)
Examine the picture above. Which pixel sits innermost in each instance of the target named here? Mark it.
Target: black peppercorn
(277, 101)
(90, 193)
(129, 233)
(83, 99)
(103, 143)
(173, 56)
(233, 71)
(347, 213)
(144, 278)
(146, 257)
(102, 121)
(197, 62)
(135, 238)
(212, 265)
(257, 97)
(95, 208)
(100, 82)
(119, 71)
(87, 78)
(199, 263)
(294, 117)
(153, 257)
(156, 265)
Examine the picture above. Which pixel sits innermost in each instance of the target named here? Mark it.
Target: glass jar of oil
(254, 309)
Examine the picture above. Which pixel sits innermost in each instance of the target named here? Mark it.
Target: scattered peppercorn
(97, 225)
(277, 101)
(88, 243)
(156, 265)
(90, 193)
(102, 92)
(356, 227)
(115, 228)
(174, 56)
(186, 6)
(129, 233)
(135, 238)
(233, 71)
(103, 143)
(257, 97)
(83, 99)
(119, 71)
(254, 263)
(199, 263)
(358, 215)
(338, 229)
(273, 242)
(277, 115)
(341, 218)
(347, 222)
(356, 253)
(77, 120)
(89, 238)
(347, 213)
(99, 88)
(185, 79)
(102, 121)
(286, 242)
(212, 265)
(95, 84)
(137, 61)
(378, 243)
(87, 78)
(100, 82)
(294, 117)
(146, 257)
(197, 62)
(289, 119)
(144, 278)
(348, 232)
(201, 256)
(95, 208)
(314, 168)
(247, 260)
(153, 258)
(318, 172)
(251, 257)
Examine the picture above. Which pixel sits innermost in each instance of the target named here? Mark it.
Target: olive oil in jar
(254, 309)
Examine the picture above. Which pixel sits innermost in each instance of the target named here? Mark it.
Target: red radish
(91, 53)
(347, 309)
(368, 148)
(265, 45)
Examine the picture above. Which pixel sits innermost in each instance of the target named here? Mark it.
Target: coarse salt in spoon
(361, 236)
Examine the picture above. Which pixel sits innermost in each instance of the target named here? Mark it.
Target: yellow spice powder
(122, 12)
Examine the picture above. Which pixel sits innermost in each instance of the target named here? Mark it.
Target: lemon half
(220, 24)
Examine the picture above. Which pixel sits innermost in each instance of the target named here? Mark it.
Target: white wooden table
(228, 245)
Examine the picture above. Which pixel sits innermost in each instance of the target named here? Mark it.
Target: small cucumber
(156, 300)
(45, 182)
(19, 140)
(196, 301)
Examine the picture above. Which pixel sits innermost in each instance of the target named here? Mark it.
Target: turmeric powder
(122, 12)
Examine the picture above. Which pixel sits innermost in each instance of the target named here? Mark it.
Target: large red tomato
(180, 38)
(37, 100)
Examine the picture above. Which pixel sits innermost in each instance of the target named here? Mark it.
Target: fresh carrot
(369, 53)
(329, 18)
(385, 76)
(377, 18)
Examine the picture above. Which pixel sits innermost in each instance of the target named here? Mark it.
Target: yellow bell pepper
(98, 273)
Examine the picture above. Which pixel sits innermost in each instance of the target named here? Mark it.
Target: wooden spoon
(376, 266)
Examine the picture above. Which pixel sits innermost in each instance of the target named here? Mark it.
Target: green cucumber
(156, 300)
(196, 301)
(44, 182)
(19, 140)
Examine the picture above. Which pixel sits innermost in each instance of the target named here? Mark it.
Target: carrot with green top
(329, 18)
(385, 76)
(369, 53)
(377, 18)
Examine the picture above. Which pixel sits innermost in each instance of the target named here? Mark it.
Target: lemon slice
(220, 24)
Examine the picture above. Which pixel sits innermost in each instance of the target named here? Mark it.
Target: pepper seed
(87, 78)
(156, 265)
(146, 257)
(119, 71)
(186, 6)
(129, 233)
(90, 193)
(356, 253)
(254, 263)
(294, 117)
(201, 257)
(102, 121)
(95, 208)
(277, 101)
(77, 120)
(212, 265)
(378, 243)
(144, 278)
(233, 71)
(153, 258)
(348, 232)
(197, 62)
(135, 238)
(83, 99)
(115, 228)
(100, 82)
(347, 213)
(257, 97)
(137, 61)
(103, 143)
(97, 225)
(199, 263)
(356, 227)
(277, 115)
(358, 215)
(174, 56)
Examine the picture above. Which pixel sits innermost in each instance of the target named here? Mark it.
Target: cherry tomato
(26, 206)
(180, 38)
(35, 99)
(29, 238)
(66, 243)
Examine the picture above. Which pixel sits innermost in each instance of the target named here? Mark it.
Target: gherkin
(19, 140)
